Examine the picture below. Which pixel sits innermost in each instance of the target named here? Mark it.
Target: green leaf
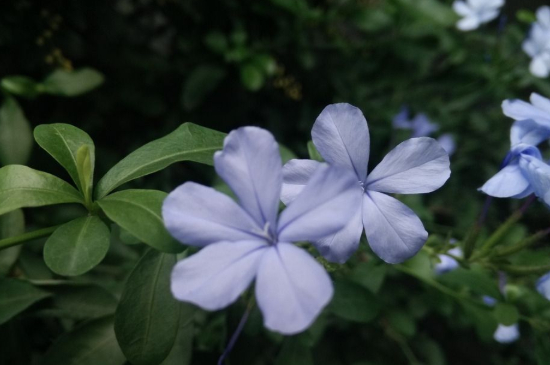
(313, 153)
(146, 321)
(62, 142)
(85, 160)
(21, 186)
(139, 212)
(216, 41)
(294, 352)
(353, 302)
(78, 246)
(189, 142)
(20, 85)
(402, 322)
(370, 275)
(93, 343)
(11, 224)
(16, 296)
(72, 83)
(82, 302)
(252, 77)
(15, 133)
(183, 345)
(506, 314)
(202, 81)
(475, 280)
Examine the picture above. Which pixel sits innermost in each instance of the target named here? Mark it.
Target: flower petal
(291, 288)
(394, 231)
(422, 126)
(447, 142)
(506, 334)
(537, 173)
(296, 174)
(218, 274)
(418, 165)
(461, 8)
(506, 183)
(341, 136)
(341, 245)
(543, 286)
(540, 101)
(324, 206)
(470, 22)
(539, 66)
(401, 119)
(198, 215)
(529, 132)
(251, 165)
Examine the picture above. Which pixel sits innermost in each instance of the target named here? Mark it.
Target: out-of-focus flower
(489, 301)
(537, 44)
(448, 263)
(248, 241)
(476, 12)
(543, 286)
(418, 165)
(506, 334)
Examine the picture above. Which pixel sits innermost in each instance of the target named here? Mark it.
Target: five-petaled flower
(248, 240)
(418, 165)
(476, 12)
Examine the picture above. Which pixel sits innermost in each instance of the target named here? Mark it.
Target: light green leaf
(11, 224)
(313, 153)
(189, 142)
(20, 85)
(16, 296)
(72, 83)
(202, 81)
(15, 133)
(506, 314)
(93, 343)
(147, 317)
(252, 77)
(77, 246)
(139, 212)
(21, 186)
(62, 142)
(353, 302)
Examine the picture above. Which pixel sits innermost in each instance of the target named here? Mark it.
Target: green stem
(525, 270)
(506, 251)
(25, 237)
(497, 236)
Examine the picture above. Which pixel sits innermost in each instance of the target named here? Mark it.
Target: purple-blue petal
(506, 334)
(422, 126)
(296, 174)
(508, 182)
(537, 173)
(529, 132)
(543, 286)
(291, 289)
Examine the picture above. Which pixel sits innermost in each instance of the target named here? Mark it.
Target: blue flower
(543, 286)
(538, 112)
(537, 44)
(248, 240)
(448, 263)
(476, 12)
(489, 301)
(506, 334)
(418, 165)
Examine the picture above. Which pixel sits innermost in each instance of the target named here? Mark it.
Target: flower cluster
(327, 204)
(476, 12)
(537, 45)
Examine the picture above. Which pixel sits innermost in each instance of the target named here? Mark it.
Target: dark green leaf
(146, 321)
(82, 302)
(252, 77)
(202, 81)
(402, 322)
(11, 224)
(78, 246)
(183, 345)
(353, 302)
(189, 142)
(62, 142)
(370, 275)
(139, 212)
(506, 314)
(475, 280)
(20, 85)
(16, 296)
(294, 352)
(15, 134)
(93, 343)
(21, 186)
(72, 83)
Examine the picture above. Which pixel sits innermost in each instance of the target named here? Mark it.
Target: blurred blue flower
(537, 44)
(506, 334)
(537, 112)
(418, 165)
(476, 12)
(247, 240)
(543, 286)
(448, 263)
(489, 301)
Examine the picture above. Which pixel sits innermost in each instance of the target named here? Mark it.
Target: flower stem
(506, 251)
(25, 237)
(238, 331)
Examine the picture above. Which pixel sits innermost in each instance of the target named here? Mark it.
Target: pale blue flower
(248, 241)
(506, 334)
(543, 286)
(447, 142)
(448, 263)
(418, 165)
(489, 301)
(537, 44)
(476, 12)
(538, 111)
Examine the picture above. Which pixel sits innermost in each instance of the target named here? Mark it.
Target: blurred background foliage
(130, 71)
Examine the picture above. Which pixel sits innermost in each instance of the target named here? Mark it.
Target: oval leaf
(11, 224)
(183, 345)
(506, 314)
(91, 344)
(146, 320)
(189, 142)
(82, 302)
(62, 142)
(139, 213)
(72, 83)
(77, 246)
(16, 296)
(21, 186)
(353, 302)
(15, 134)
